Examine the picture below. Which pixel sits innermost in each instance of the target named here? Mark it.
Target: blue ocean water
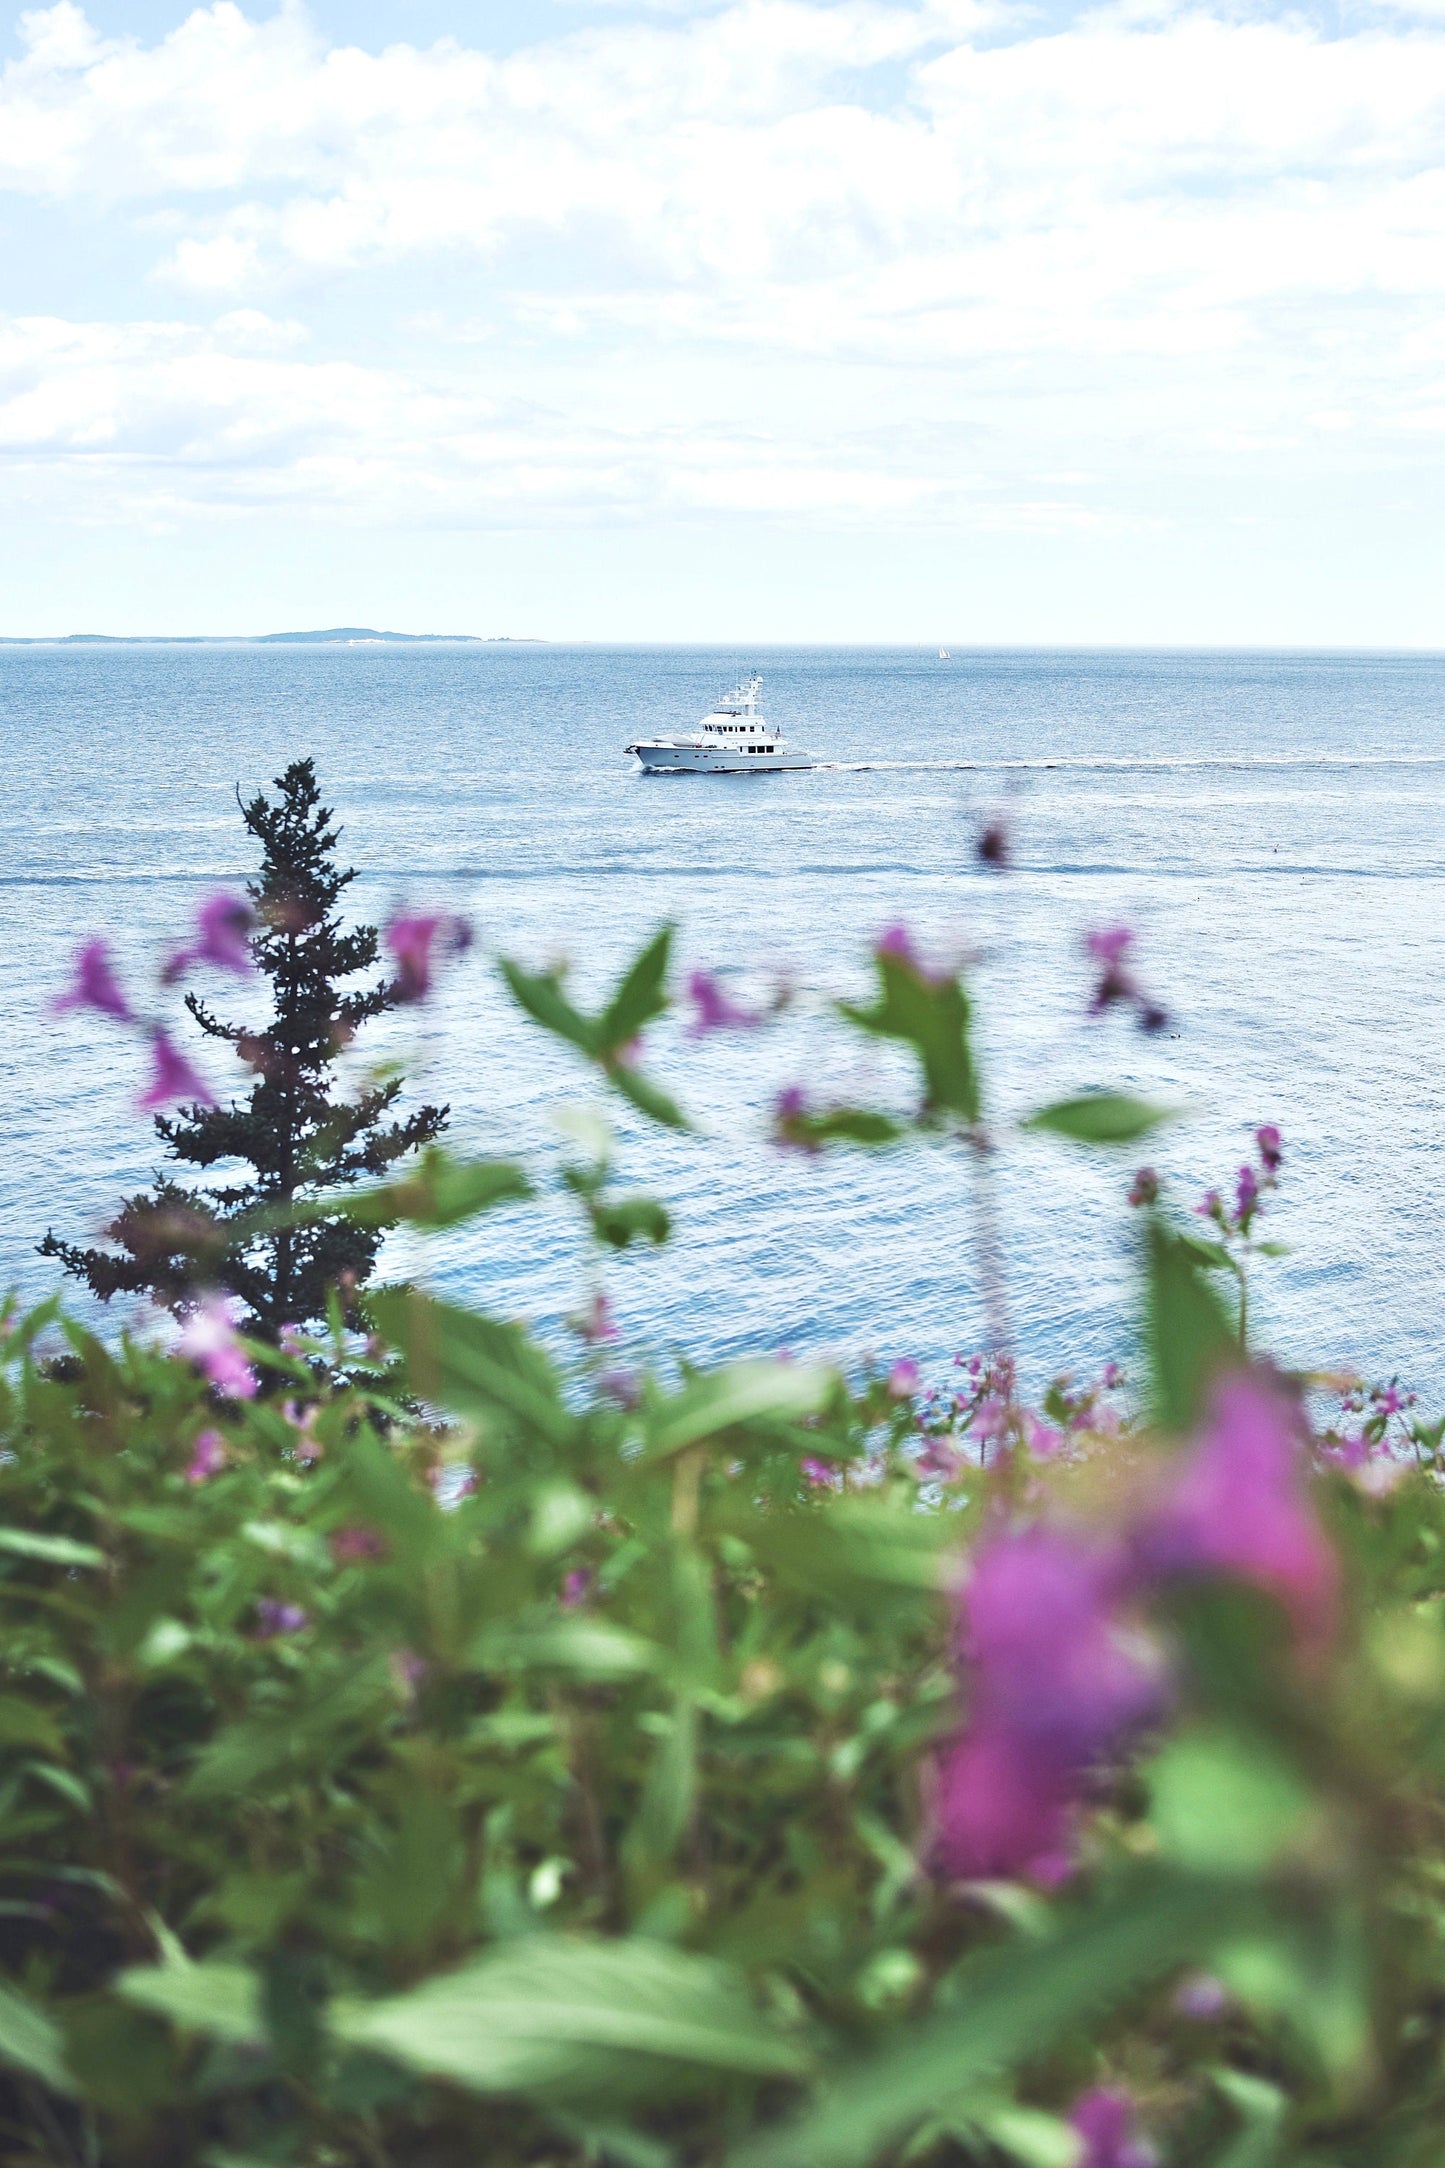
(1271, 824)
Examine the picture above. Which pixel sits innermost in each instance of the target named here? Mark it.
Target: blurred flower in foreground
(1239, 1507)
(94, 985)
(208, 1457)
(273, 1617)
(1104, 2119)
(412, 937)
(1145, 1190)
(905, 1378)
(224, 925)
(208, 1338)
(1054, 1687)
(714, 1009)
(173, 1078)
(1108, 948)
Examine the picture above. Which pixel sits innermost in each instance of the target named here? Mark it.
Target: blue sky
(762, 319)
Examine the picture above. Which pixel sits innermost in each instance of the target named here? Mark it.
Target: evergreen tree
(291, 1129)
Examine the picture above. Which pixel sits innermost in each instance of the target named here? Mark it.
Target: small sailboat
(943, 655)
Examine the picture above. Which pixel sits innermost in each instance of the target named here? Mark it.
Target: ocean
(1270, 824)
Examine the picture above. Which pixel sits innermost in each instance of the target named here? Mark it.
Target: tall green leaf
(743, 1392)
(29, 2041)
(1186, 1333)
(1100, 1118)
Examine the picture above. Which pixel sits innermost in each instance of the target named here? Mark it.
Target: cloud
(835, 261)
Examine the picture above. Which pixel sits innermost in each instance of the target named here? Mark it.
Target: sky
(969, 321)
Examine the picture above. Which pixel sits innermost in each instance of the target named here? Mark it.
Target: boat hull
(716, 760)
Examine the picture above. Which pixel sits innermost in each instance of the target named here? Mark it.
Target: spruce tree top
(292, 1134)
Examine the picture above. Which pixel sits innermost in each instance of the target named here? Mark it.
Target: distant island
(338, 636)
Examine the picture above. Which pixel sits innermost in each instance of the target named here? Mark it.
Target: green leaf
(1187, 1336)
(441, 1192)
(646, 1096)
(629, 1220)
(588, 1648)
(219, 1999)
(843, 1125)
(1225, 1804)
(1022, 2000)
(744, 1392)
(51, 1550)
(934, 1017)
(856, 1546)
(29, 2041)
(540, 994)
(1100, 1118)
(572, 2019)
(640, 996)
(474, 1364)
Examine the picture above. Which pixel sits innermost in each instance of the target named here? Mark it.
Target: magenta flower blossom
(1271, 1150)
(94, 985)
(715, 1008)
(173, 1078)
(208, 1338)
(274, 1617)
(208, 1457)
(820, 1474)
(224, 925)
(577, 1586)
(596, 1323)
(1246, 1195)
(355, 1542)
(411, 938)
(904, 1378)
(1145, 1190)
(897, 941)
(1054, 1688)
(1104, 2119)
(1239, 1508)
(1109, 945)
(1041, 1438)
(940, 1460)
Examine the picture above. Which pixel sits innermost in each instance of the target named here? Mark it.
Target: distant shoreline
(341, 636)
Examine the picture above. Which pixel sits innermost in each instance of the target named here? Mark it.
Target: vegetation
(545, 1762)
(295, 1132)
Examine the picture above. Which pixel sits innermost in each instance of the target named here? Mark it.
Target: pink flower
(596, 1324)
(1271, 1150)
(897, 941)
(94, 985)
(208, 1338)
(308, 1446)
(1239, 1508)
(173, 1078)
(411, 939)
(940, 1459)
(1201, 1996)
(716, 1011)
(577, 1587)
(1104, 2119)
(1210, 1206)
(1146, 1187)
(208, 1457)
(622, 1386)
(1109, 945)
(904, 1378)
(820, 1474)
(350, 1545)
(1246, 1195)
(223, 925)
(1053, 1688)
(1040, 1438)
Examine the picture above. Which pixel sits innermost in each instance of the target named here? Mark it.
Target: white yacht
(733, 740)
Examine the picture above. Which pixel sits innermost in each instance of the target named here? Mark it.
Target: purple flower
(820, 1474)
(94, 985)
(897, 941)
(1040, 1438)
(904, 1378)
(224, 925)
(1239, 1508)
(1210, 1206)
(208, 1457)
(1271, 1150)
(716, 1011)
(1246, 1195)
(1104, 2119)
(1146, 1187)
(1109, 945)
(208, 1339)
(173, 1078)
(1053, 1688)
(577, 1586)
(411, 938)
(940, 1459)
(622, 1386)
(1200, 1995)
(274, 1617)
(350, 1545)
(596, 1324)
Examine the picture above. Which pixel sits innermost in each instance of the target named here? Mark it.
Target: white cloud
(839, 261)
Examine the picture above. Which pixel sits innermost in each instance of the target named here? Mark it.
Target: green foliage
(1100, 1118)
(470, 1758)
